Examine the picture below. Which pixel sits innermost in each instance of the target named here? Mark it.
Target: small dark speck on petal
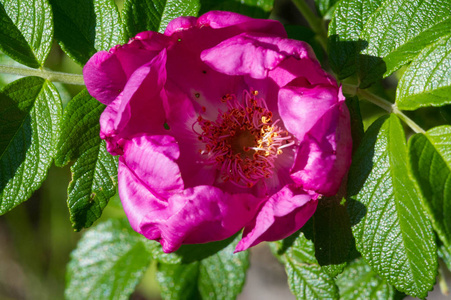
(197, 95)
(203, 71)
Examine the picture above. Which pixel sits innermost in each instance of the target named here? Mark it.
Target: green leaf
(35, 15)
(84, 27)
(306, 278)
(357, 130)
(155, 15)
(108, 262)
(331, 234)
(427, 80)
(358, 281)
(345, 29)
(391, 229)
(379, 37)
(252, 8)
(30, 116)
(178, 282)
(189, 253)
(408, 51)
(94, 173)
(13, 43)
(326, 7)
(220, 276)
(430, 163)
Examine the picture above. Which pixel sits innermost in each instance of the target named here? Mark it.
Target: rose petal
(224, 19)
(142, 98)
(279, 217)
(301, 107)
(241, 55)
(140, 50)
(260, 56)
(153, 160)
(137, 200)
(324, 155)
(199, 215)
(104, 77)
(148, 176)
(181, 117)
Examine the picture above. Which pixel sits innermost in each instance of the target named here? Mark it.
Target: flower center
(244, 141)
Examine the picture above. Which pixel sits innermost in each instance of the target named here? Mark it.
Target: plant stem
(382, 103)
(316, 23)
(74, 79)
(441, 279)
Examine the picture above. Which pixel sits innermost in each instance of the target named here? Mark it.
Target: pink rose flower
(221, 123)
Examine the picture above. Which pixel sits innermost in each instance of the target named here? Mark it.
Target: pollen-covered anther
(243, 142)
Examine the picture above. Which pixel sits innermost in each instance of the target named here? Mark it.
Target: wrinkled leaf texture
(30, 116)
(391, 229)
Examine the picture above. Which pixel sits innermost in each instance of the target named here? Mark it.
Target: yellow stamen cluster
(244, 141)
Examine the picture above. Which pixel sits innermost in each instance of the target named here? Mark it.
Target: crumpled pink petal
(324, 155)
(104, 77)
(199, 215)
(279, 217)
(148, 175)
(302, 106)
(227, 20)
(261, 56)
(147, 82)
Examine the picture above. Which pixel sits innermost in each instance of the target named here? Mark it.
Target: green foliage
(188, 253)
(390, 227)
(375, 38)
(86, 26)
(155, 15)
(430, 163)
(29, 47)
(357, 130)
(179, 281)
(220, 276)
(94, 173)
(345, 30)
(331, 234)
(306, 278)
(427, 80)
(30, 119)
(360, 282)
(326, 7)
(108, 262)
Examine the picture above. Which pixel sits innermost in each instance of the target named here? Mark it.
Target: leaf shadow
(346, 59)
(361, 167)
(189, 253)
(16, 138)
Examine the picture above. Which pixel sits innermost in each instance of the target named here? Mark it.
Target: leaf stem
(441, 279)
(68, 78)
(382, 103)
(316, 23)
